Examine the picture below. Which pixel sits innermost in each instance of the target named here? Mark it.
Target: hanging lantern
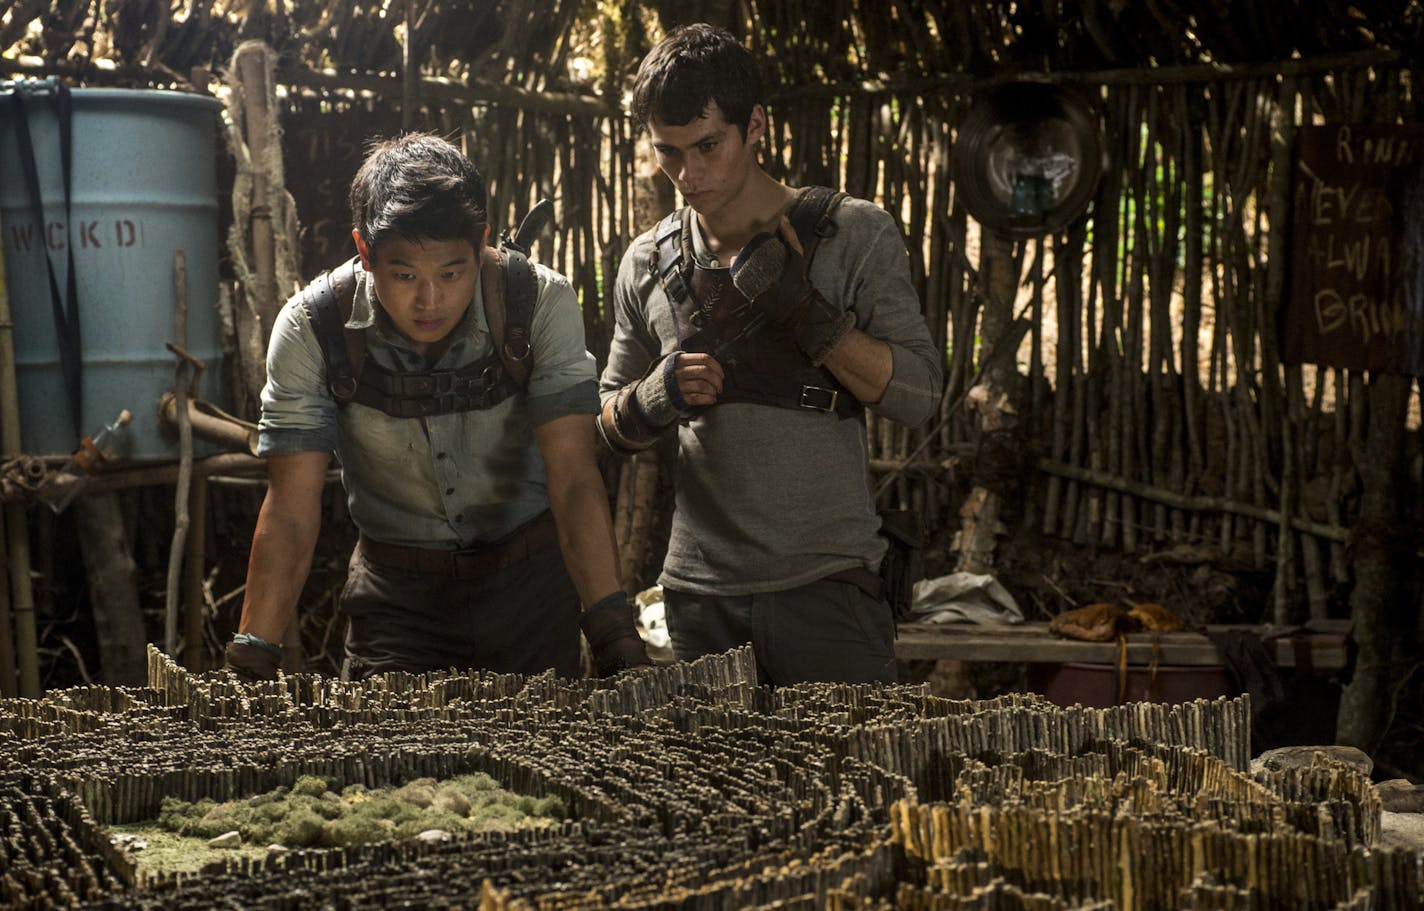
(1027, 158)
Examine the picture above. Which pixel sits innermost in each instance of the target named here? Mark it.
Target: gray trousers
(827, 631)
(522, 619)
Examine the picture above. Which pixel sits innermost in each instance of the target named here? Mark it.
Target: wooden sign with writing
(1357, 249)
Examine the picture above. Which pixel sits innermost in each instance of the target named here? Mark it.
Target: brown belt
(467, 565)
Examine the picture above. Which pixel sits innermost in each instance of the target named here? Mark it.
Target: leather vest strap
(767, 368)
(482, 384)
(511, 289)
(327, 302)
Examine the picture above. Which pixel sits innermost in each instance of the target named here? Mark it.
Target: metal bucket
(143, 186)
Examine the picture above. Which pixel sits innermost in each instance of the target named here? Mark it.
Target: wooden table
(1321, 646)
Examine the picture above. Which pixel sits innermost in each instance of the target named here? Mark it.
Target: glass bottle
(61, 487)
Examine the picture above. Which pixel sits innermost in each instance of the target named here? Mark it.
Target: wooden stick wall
(1157, 409)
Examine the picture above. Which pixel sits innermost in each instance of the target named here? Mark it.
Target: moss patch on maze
(689, 787)
(311, 814)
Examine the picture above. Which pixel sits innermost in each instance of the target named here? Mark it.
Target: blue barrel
(143, 186)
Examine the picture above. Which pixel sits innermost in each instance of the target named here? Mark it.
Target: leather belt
(467, 565)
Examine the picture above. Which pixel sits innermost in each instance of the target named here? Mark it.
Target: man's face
(707, 158)
(425, 287)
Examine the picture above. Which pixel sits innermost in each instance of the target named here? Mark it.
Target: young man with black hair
(465, 482)
(757, 323)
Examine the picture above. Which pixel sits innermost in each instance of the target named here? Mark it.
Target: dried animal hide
(1092, 623)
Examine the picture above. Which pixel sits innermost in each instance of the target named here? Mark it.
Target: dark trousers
(521, 619)
(827, 631)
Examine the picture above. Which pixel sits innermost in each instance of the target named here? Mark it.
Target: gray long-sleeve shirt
(772, 498)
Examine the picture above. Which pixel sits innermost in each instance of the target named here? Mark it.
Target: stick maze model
(691, 787)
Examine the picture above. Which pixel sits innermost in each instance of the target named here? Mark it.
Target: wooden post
(19, 603)
(9, 683)
(113, 589)
(980, 512)
(185, 459)
(1382, 567)
(250, 61)
(410, 70)
(637, 493)
(194, 656)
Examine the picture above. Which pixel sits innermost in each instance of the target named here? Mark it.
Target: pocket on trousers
(870, 616)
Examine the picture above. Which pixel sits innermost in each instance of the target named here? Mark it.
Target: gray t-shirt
(772, 498)
(444, 481)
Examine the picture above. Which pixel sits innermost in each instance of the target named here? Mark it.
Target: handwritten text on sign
(1354, 302)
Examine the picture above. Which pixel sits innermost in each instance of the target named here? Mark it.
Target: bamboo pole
(178, 547)
(1132, 374)
(227, 463)
(1036, 402)
(194, 655)
(250, 61)
(1222, 505)
(1192, 414)
(1282, 138)
(410, 68)
(20, 652)
(9, 682)
(10, 409)
(1160, 370)
(1097, 354)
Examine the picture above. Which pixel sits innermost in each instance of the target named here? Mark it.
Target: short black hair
(694, 65)
(418, 186)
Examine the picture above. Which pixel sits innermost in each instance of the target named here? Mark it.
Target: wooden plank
(1322, 647)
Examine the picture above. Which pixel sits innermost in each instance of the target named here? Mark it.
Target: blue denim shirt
(445, 481)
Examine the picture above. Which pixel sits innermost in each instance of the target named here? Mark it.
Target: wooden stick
(963, 84)
(1292, 418)
(194, 656)
(1223, 505)
(185, 465)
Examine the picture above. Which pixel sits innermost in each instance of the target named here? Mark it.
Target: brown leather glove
(772, 275)
(251, 662)
(612, 636)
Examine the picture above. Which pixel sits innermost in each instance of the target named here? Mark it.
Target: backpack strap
(810, 216)
(328, 302)
(671, 260)
(510, 292)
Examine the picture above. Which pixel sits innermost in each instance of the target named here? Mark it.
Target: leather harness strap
(510, 291)
(766, 368)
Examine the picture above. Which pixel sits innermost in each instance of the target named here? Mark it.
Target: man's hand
(251, 662)
(771, 273)
(673, 387)
(699, 378)
(612, 636)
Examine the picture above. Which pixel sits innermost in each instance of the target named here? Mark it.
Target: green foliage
(310, 815)
(303, 829)
(356, 830)
(310, 785)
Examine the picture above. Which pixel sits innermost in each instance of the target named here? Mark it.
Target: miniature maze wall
(689, 787)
